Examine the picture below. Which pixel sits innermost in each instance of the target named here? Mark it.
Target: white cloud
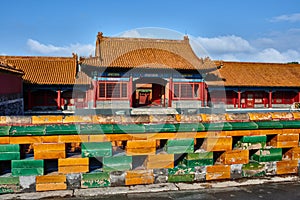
(233, 48)
(131, 34)
(49, 49)
(290, 18)
(225, 44)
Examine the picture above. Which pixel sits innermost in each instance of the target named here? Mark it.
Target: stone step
(153, 111)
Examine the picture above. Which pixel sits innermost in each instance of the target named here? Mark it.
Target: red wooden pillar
(239, 99)
(95, 93)
(202, 93)
(29, 106)
(130, 92)
(234, 102)
(299, 96)
(170, 92)
(205, 94)
(270, 99)
(58, 99)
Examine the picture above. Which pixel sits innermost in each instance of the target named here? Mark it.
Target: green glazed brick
(95, 180)
(268, 155)
(254, 139)
(121, 167)
(180, 149)
(181, 178)
(199, 156)
(9, 180)
(27, 171)
(9, 148)
(95, 176)
(181, 142)
(96, 153)
(64, 129)
(27, 164)
(157, 128)
(180, 170)
(189, 127)
(180, 146)
(225, 126)
(201, 127)
(291, 124)
(10, 156)
(27, 130)
(269, 125)
(128, 128)
(253, 169)
(199, 159)
(95, 183)
(92, 129)
(4, 130)
(117, 163)
(96, 149)
(96, 145)
(200, 162)
(243, 125)
(115, 160)
(6, 190)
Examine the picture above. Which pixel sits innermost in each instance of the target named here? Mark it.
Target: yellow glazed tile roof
(47, 70)
(146, 53)
(6, 67)
(253, 74)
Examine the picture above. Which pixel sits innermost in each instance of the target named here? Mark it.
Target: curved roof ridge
(137, 39)
(256, 62)
(109, 49)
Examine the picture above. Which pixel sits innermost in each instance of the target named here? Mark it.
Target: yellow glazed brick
(77, 119)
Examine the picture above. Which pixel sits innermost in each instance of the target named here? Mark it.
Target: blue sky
(253, 30)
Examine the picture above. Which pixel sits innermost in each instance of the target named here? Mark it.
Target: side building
(11, 89)
(252, 85)
(51, 83)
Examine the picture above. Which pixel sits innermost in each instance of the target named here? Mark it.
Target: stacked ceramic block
(99, 151)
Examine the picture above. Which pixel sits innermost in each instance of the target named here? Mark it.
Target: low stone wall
(40, 153)
(11, 107)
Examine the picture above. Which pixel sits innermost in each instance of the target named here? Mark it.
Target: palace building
(134, 73)
(48, 82)
(259, 85)
(11, 90)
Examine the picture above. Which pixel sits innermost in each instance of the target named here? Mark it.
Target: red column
(202, 93)
(234, 102)
(130, 86)
(29, 100)
(270, 99)
(205, 94)
(95, 93)
(170, 92)
(239, 99)
(58, 99)
(299, 96)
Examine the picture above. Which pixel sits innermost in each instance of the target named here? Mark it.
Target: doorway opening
(149, 92)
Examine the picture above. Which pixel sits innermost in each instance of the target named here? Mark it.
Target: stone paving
(262, 188)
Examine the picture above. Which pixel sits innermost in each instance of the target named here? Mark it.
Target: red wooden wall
(10, 84)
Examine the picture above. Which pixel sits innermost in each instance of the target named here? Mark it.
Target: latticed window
(112, 90)
(186, 91)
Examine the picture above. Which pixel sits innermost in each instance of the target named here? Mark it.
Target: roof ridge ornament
(186, 38)
(100, 35)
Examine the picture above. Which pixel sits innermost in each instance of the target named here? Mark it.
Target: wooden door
(157, 93)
